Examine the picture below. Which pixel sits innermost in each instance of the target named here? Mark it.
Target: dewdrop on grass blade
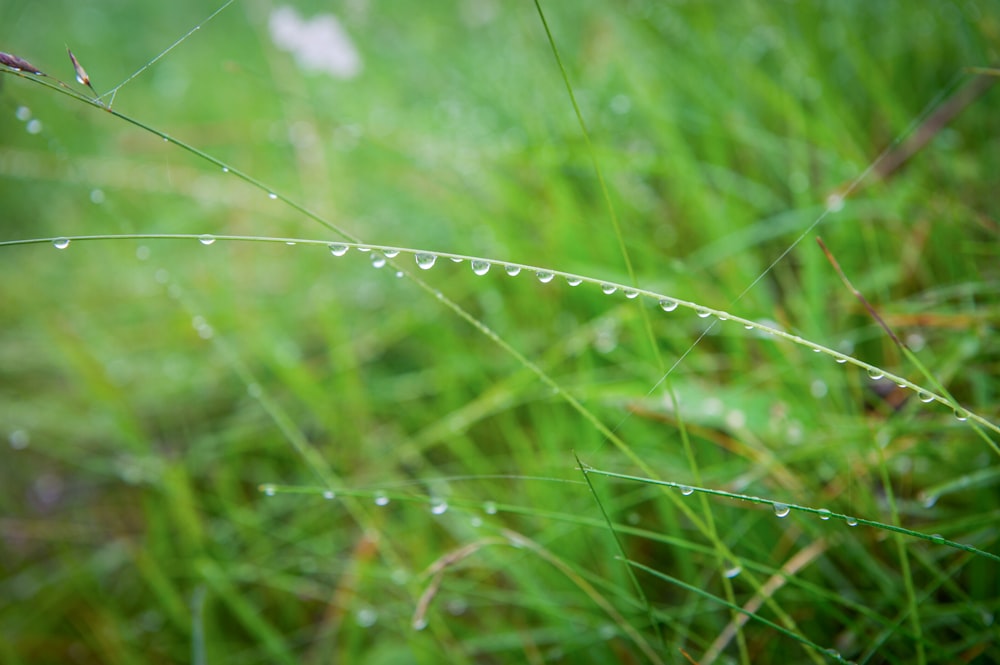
(81, 73)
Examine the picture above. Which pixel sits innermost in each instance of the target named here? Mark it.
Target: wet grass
(254, 452)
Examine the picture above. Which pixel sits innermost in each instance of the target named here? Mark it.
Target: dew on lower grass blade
(574, 281)
(329, 494)
(631, 294)
(425, 261)
(268, 490)
(337, 249)
(686, 491)
(841, 361)
(732, 571)
(781, 510)
(381, 499)
(490, 508)
(962, 415)
(544, 276)
(378, 260)
(206, 239)
(875, 374)
(668, 305)
(703, 313)
(456, 259)
(272, 195)
(390, 253)
(225, 169)
(608, 289)
(851, 521)
(824, 514)
(439, 506)
(60, 243)
(513, 271)
(925, 397)
(480, 267)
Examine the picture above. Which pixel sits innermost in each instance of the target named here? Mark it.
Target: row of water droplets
(427, 260)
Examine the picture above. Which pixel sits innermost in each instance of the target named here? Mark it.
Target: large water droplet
(364, 250)
(852, 521)
(824, 514)
(456, 259)
(781, 510)
(60, 243)
(425, 261)
(378, 260)
(686, 491)
(391, 253)
(439, 506)
(480, 267)
(544, 276)
(513, 271)
(703, 313)
(631, 294)
(668, 305)
(573, 281)
(337, 249)
(962, 415)
(875, 374)
(608, 289)
(732, 571)
(841, 361)
(206, 239)
(381, 499)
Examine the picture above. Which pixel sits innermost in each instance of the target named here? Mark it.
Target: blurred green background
(148, 388)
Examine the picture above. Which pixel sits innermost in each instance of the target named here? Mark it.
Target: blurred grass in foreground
(134, 529)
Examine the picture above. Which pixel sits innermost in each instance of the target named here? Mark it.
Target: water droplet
(513, 271)
(608, 289)
(573, 281)
(364, 250)
(337, 249)
(852, 521)
(544, 276)
(23, 113)
(166, 139)
(366, 617)
(962, 415)
(824, 514)
(875, 374)
(60, 243)
(269, 490)
(732, 571)
(329, 494)
(378, 260)
(841, 361)
(833, 653)
(835, 203)
(781, 510)
(290, 243)
(425, 261)
(703, 313)
(480, 267)
(19, 439)
(668, 305)
(206, 239)
(686, 491)
(390, 253)
(381, 499)
(399, 273)
(631, 294)
(272, 195)
(490, 508)
(420, 623)
(225, 169)
(930, 500)
(439, 506)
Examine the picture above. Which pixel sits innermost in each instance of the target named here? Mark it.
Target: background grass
(134, 529)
